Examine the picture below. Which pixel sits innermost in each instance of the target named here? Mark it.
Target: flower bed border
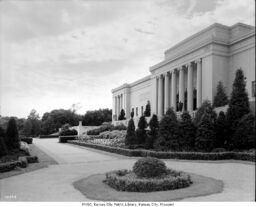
(170, 155)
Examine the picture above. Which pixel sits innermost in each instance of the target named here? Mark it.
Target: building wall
(139, 95)
(222, 50)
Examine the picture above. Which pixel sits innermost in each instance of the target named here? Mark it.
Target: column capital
(167, 73)
(198, 61)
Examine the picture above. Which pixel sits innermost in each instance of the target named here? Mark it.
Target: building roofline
(126, 85)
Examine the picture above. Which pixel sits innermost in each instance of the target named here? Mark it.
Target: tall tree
(168, 133)
(3, 148)
(33, 118)
(147, 111)
(187, 130)
(239, 102)
(205, 136)
(130, 137)
(220, 99)
(122, 115)
(141, 130)
(244, 136)
(221, 129)
(152, 134)
(12, 135)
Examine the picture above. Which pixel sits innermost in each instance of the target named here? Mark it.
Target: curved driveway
(55, 182)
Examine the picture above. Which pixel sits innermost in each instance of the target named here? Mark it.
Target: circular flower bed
(141, 179)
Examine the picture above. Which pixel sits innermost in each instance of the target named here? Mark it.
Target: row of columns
(162, 98)
(119, 104)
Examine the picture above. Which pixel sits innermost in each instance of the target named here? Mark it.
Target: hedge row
(64, 139)
(21, 162)
(28, 140)
(171, 155)
(48, 136)
(123, 180)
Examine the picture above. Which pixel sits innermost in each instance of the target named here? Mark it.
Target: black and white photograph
(127, 103)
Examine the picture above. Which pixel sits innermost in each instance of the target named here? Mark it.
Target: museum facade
(190, 72)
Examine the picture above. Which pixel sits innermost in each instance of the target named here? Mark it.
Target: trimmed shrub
(3, 148)
(205, 107)
(168, 133)
(130, 138)
(170, 155)
(147, 112)
(220, 99)
(149, 167)
(12, 135)
(119, 127)
(23, 163)
(48, 136)
(122, 115)
(205, 135)
(32, 159)
(102, 128)
(64, 139)
(28, 140)
(187, 132)
(68, 132)
(123, 180)
(152, 134)
(6, 167)
(141, 131)
(221, 129)
(24, 147)
(239, 102)
(172, 114)
(244, 136)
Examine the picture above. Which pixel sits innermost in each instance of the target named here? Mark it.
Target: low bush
(5, 167)
(102, 128)
(119, 127)
(24, 147)
(32, 159)
(171, 155)
(28, 140)
(149, 167)
(68, 132)
(64, 139)
(48, 136)
(23, 163)
(123, 180)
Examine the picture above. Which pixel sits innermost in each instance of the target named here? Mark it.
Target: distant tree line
(50, 122)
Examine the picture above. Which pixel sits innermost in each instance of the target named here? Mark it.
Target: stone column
(174, 90)
(160, 95)
(118, 106)
(115, 105)
(166, 92)
(154, 97)
(181, 86)
(199, 83)
(190, 87)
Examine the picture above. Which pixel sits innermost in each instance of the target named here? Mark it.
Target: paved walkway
(55, 182)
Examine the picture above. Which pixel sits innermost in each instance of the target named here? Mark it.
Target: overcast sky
(60, 52)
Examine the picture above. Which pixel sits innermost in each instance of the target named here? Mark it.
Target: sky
(55, 53)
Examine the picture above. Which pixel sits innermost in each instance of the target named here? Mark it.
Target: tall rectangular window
(141, 110)
(136, 111)
(253, 89)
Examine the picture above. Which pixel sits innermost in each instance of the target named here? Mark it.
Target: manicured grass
(44, 161)
(94, 188)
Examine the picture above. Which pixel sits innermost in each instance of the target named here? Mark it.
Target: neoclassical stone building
(191, 70)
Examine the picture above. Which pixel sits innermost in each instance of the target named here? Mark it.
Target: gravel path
(54, 183)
